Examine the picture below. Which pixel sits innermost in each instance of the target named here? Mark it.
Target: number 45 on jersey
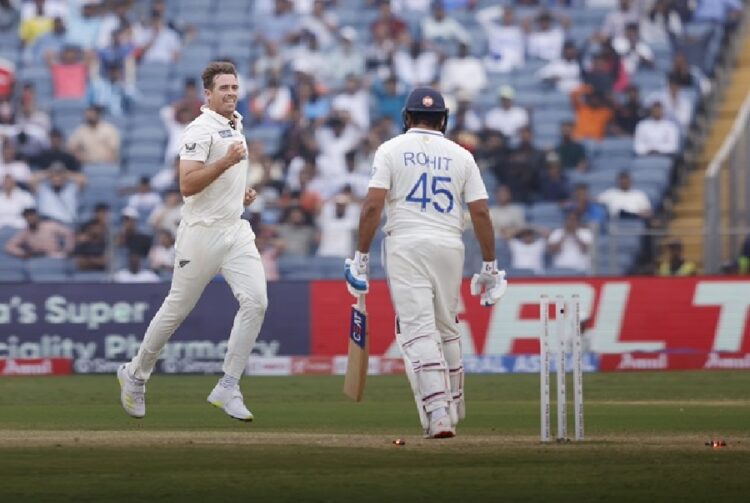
(419, 193)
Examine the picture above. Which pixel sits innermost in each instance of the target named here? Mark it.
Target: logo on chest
(226, 133)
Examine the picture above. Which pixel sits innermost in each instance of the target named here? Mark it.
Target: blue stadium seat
(144, 153)
(40, 265)
(90, 277)
(12, 276)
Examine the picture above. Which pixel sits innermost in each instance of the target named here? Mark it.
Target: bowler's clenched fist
(235, 153)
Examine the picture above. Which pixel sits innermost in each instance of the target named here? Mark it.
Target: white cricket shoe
(441, 428)
(132, 393)
(230, 400)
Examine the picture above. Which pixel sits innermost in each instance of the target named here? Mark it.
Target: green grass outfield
(66, 439)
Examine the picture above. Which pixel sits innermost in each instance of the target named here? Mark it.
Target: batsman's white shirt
(207, 140)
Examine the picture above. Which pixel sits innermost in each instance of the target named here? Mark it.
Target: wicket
(567, 327)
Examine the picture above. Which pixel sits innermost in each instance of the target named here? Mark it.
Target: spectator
(9, 16)
(393, 26)
(656, 135)
(129, 237)
(416, 67)
(114, 94)
(661, 24)
(7, 78)
(635, 53)
(190, 99)
(722, 12)
(90, 252)
(57, 194)
(354, 100)
(55, 153)
(155, 41)
(623, 201)
(162, 254)
(117, 20)
(30, 118)
(675, 102)
(49, 44)
(389, 99)
(167, 215)
(357, 181)
(616, 21)
(345, 59)
(134, 273)
(40, 238)
(605, 73)
(546, 42)
(505, 39)
(507, 217)
(13, 201)
(527, 250)
(564, 73)
(455, 70)
(591, 213)
(297, 232)
(593, 114)
(379, 53)
(524, 167)
(743, 260)
(120, 52)
(676, 264)
(145, 200)
(553, 184)
(440, 27)
(12, 166)
(507, 118)
(628, 113)
(492, 152)
(570, 245)
(280, 26)
(95, 141)
(84, 24)
(175, 119)
(335, 139)
(688, 76)
(337, 222)
(270, 248)
(572, 153)
(323, 24)
(273, 104)
(69, 73)
(37, 19)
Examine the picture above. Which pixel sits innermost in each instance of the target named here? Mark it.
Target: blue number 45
(421, 188)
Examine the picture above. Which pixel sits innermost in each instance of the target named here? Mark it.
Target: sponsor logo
(190, 147)
(631, 362)
(183, 263)
(226, 133)
(358, 329)
(35, 367)
(717, 361)
(427, 101)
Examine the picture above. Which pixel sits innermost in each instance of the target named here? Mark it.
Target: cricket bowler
(212, 238)
(423, 179)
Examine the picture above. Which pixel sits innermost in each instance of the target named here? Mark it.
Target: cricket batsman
(212, 238)
(424, 179)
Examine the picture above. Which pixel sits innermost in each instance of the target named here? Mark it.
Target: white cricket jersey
(428, 178)
(207, 139)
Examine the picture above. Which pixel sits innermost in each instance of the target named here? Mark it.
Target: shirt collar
(220, 118)
(424, 131)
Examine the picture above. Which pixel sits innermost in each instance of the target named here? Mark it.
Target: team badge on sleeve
(190, 147)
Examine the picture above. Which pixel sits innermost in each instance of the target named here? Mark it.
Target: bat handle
(361, 302)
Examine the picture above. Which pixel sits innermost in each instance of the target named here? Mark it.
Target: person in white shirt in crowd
(455, 71)
(570, 246)
(322, 23)
(345, 59)
(337, 222)
(144, 200)
(30, 118)
(507, 118)
(507, 217)
(625, 201)
(441, 27)
(546, 41)
(354, 178)
(417, 65)
(306, 56)
(506, 46)
(676, 103)
(116, 93)
(57, 194)
(13, 200)
(11, 165)
(119, 16)
(635, 53)
(167, 215)
(335, 139)
(616, 21)
(411, 6)
(155, 41)
(134, 273)
(273, 102)
(661, 23)
(175, 120)
(565, 72)
(527, 250)
(656, 135)
(354, 99)
(84, 23)
(162, 254)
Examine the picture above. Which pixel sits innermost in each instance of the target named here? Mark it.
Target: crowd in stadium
(577, 112)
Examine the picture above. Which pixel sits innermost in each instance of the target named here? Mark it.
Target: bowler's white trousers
(424, 277)
(202, 251)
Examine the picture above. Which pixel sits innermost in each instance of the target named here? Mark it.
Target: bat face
(358, 327)
(356, 366)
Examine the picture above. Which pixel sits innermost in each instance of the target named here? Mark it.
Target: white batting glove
(355, 273)
(490, 284)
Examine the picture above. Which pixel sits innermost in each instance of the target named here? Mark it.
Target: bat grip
(361, 302)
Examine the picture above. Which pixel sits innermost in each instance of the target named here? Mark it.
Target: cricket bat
(359, 352)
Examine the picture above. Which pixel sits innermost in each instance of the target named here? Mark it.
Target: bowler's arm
(197, 175)
(480, 219)
(369, 218)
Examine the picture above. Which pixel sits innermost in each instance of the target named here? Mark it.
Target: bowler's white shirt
(428, 178)
(207, 140)
(662, 137)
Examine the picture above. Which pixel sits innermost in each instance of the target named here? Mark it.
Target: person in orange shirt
(593, 113)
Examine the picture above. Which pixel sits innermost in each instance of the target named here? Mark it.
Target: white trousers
(202, 252)
(424, 278)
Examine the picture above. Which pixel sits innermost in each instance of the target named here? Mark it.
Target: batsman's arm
(369, 218)
(480, 219)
